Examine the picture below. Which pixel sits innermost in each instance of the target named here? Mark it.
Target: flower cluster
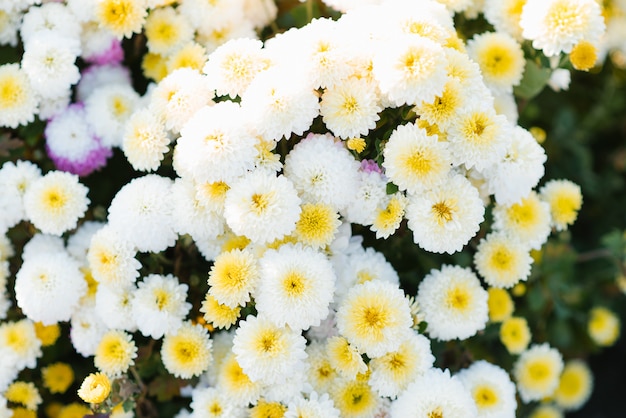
(268, 160)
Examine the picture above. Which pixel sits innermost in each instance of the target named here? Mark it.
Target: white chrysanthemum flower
(520, 169)
(186, 352)
(446, 217)
(410, 70)
(49, 62)
(435, 394)
(565, 199)
(45, 278)
(19, 345)
(215, 134)
(179, 96)
(78, 243)
(121, 17)
(296, 286)
(266, 352)
(233, 66)
(389, 214)
(529, 220)
(112, 259)
(500, 58)
(10, 22)
(537, 372)
(108, 108)
(15, 179)
(42, 244)
(323, 170)
(477, 136)
(392, 373)
(114, 307)
(315, 406)
(555, 26)
(351, 108)
(166, 30)
(502, 260)
(159, 305)
(145, 141)
(279, 103)
(194, 215)
(142, 212)
(55, 202)
(317, 225)
(453, 303)
(211, 402)
(575, 385)
(50, 17)
(505, 15)
(505, 104)
(320, 372)
(414, 160)
(364, 265)
(492, 389)
(430, 20)
(115, 353)
(370, 193)
(343, 358)
(18, 101)
(99, 76)
(210, 14)
(374, 317)
(234, 27)
(86, 329)
(262, 207)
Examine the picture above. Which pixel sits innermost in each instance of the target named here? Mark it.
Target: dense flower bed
(328, 209)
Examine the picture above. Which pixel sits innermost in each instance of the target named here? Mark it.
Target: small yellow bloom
(515, 334)
(95, 388)
(583, 56)
(57, 377)
(603, 326)
(356, 144)
(500, 304)
(47, 334)
(23, 393)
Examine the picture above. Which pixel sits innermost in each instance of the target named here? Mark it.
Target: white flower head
(296, 286)
(142, 212)
(453, 303)
(446, 217)
(55, 202)
(266, 352)
(492, 389)
(323, 170)
(159, 305)
(262, 206)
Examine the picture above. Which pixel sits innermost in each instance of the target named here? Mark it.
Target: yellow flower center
(485, 396)
(443, 211)
(458, 298)
(583, 56)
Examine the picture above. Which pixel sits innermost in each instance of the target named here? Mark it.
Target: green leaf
(534, 80)
(391, 188)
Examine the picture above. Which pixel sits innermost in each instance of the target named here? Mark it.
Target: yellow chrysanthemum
(23, 393)
(265, 409)
(73, 410)
(388, 217)
(47, 334)
(583, 56)
(57, 377)
(344, 358)
(515, 334)
(565, 199)
(575, 385)
(95, 388)
(192, 55)
(217, 314)
(317, 225)
(546, 411)
(121, 17)
(354, 398)
(356, 144)
(236, 382)
(233, 277)
(603, 326)
(500, 304)
(441, 111)
(20, 412)
(166, 30)
(154, 66)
